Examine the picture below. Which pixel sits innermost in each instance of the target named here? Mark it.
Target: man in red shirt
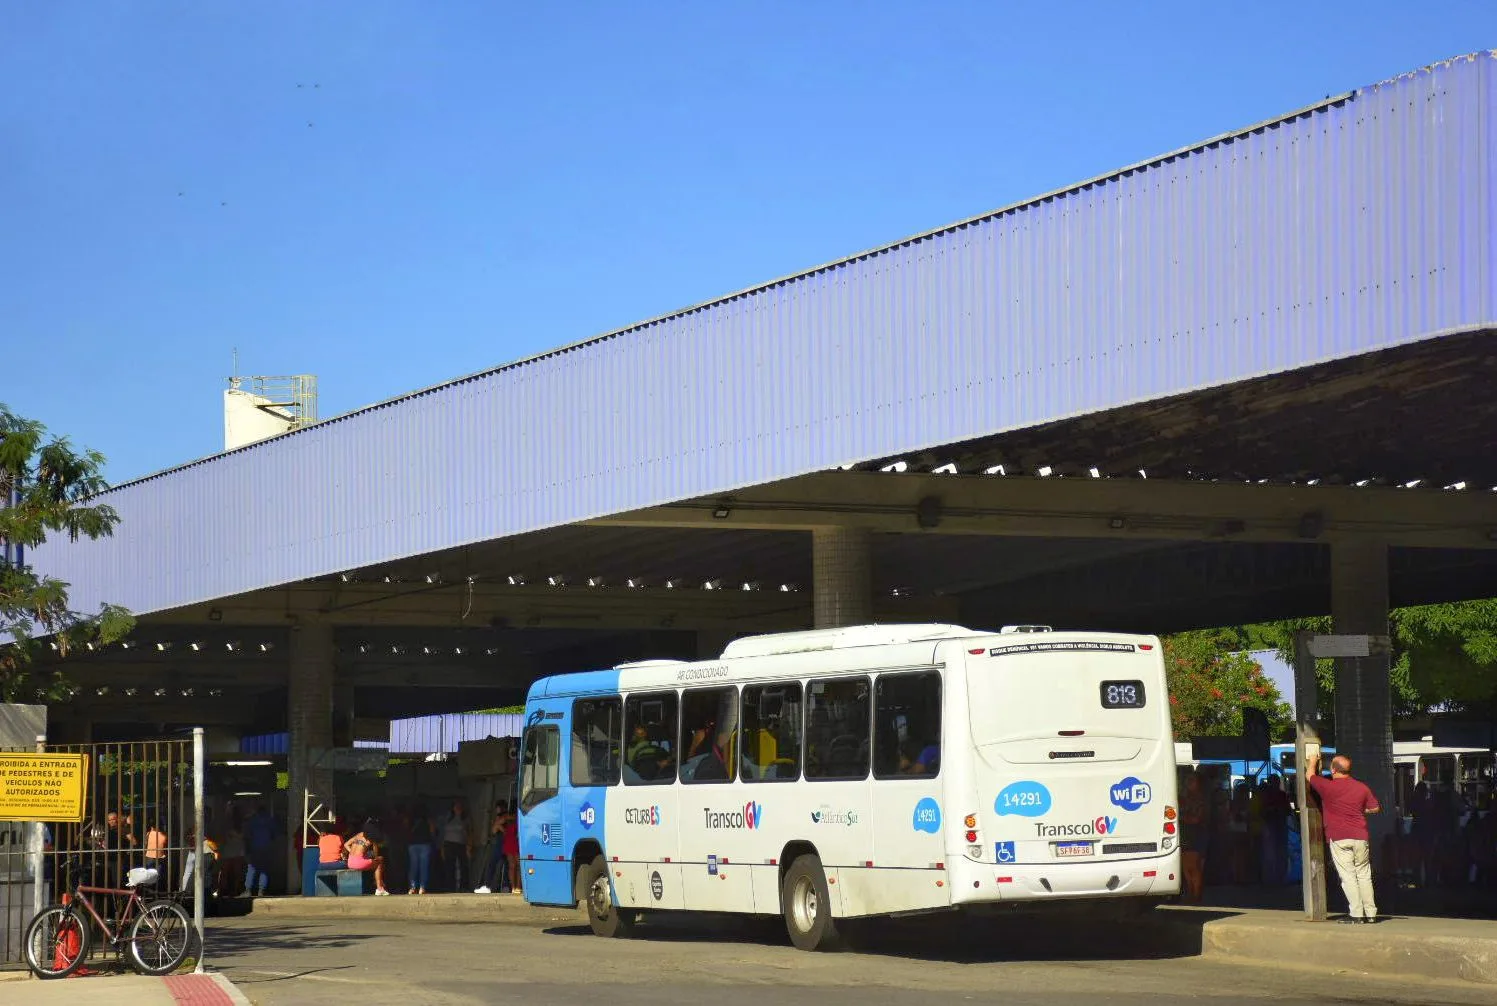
(1345, 803)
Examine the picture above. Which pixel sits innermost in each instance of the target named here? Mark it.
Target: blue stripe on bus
(551, 832)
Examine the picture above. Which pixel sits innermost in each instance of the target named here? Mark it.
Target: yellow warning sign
(43, 787)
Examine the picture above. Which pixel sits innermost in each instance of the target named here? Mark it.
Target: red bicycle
(156, 940)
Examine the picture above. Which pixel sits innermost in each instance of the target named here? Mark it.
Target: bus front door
(545, 868)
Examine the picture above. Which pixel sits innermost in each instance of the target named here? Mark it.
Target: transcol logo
(587, 815)
(1131, 794)
(750, 817)
(1101, 826)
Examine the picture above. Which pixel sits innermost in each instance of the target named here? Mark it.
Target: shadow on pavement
(959, 938)
(225, 942)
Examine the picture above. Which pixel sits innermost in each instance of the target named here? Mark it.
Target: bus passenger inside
(917, 759)
(709, 750)
(708, 760)
(647, 756)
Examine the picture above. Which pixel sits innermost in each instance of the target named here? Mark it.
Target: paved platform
(1405, 947)
(211, 989)
(1408, 948)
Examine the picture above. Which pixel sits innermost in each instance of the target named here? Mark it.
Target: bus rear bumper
(1157, 876)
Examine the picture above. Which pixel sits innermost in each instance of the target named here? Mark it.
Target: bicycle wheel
(56, 942)
(160, 938)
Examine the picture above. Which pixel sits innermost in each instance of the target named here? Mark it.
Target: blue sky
(459, 184)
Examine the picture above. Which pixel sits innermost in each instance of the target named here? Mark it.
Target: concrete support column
(841, 574)
(1364, 697)
(309, 719)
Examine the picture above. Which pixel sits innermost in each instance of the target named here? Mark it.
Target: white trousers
(1353, 859)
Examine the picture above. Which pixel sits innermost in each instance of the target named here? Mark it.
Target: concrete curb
(229, 989)
(502, 908)
(1381, 949)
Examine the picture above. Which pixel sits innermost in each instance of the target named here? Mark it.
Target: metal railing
(144, 808)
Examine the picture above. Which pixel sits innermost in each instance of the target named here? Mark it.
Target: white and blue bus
(854, 773)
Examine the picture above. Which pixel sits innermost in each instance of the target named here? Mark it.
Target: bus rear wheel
(596, 893)
(808, 906)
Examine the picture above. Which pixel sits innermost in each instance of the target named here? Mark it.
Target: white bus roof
(843, 638)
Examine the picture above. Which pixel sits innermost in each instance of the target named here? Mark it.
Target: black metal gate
(143, 803)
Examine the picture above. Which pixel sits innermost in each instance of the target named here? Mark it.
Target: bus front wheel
(596, 894)
(808, 906)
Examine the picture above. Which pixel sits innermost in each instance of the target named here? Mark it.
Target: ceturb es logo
(642, 815)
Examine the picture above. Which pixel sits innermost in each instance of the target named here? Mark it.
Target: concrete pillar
(1364, 698)
(309, 719)
(841, 574)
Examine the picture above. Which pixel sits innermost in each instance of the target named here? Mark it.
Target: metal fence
(143, 808)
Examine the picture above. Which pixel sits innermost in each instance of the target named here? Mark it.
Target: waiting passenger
(363, 854)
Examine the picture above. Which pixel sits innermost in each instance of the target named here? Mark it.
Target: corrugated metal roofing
(1357, 224)
(419, 735)
(433, 734)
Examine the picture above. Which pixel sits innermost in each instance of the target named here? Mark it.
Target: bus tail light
(970, 821)
(1169, 813)
(1169, 827)
(971, 836)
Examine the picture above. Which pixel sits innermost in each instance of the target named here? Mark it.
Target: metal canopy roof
(1109, 310)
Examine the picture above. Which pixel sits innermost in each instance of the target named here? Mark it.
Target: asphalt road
(376, 962)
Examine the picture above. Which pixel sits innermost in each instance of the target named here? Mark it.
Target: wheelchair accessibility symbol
(1006, 852)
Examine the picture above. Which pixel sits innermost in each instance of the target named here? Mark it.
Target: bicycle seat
(142, 876)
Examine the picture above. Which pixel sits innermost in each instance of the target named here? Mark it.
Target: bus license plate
(1067, 849)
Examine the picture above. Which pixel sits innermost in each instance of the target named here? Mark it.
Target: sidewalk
(121, 990)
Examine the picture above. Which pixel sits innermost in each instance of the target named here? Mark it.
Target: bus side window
(597, 733)
(907, 730)
(709, 729)
(650, 725)
(771, 734)
(540, 771)
(837, 727)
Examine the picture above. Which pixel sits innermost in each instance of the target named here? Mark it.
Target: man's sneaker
(482, 890)
(381, 893)
(1349, 920)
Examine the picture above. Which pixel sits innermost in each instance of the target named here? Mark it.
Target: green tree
(1211, 678)
(45, 489)
(1443, 655)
